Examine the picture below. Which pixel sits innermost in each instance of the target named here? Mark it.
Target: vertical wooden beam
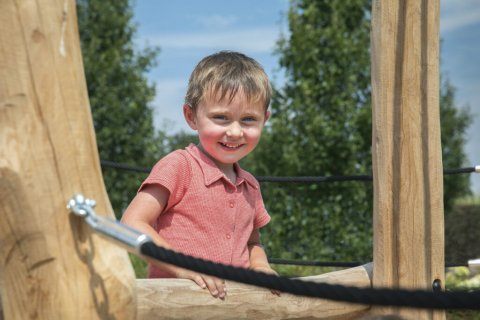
(407, 163)
(51, 265)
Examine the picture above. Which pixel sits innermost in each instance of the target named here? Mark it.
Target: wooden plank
(52, 267)
(407, 163)
(183, 299)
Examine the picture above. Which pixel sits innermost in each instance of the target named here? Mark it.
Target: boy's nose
(234, 130)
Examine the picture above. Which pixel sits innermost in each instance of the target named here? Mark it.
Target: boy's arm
(258, 257)
(142, 213)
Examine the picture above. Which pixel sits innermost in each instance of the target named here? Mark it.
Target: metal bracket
(110, 228)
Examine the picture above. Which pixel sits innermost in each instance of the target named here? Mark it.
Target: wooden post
(51, 266)
(407, 163)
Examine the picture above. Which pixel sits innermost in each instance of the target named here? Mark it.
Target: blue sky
(188, 30)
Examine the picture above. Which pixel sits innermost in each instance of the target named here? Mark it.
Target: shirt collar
(212, 173)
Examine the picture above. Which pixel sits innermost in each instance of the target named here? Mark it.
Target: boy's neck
(230, 173)
(227, 169)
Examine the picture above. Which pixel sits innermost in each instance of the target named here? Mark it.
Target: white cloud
(215, 21)
(257, 40)
(168, 103)
(458, 14)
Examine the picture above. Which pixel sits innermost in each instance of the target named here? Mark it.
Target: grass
(461, 278)
(139, 266)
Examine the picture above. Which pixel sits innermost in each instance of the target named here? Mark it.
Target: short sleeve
(261, 215)
(173, 172)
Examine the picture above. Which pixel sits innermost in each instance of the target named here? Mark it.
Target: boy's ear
(267, 116)
(189, 116)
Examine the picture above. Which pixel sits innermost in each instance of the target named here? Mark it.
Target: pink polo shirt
(207, 216)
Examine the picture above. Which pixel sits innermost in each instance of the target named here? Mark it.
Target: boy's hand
(215, 285)
(267, 270)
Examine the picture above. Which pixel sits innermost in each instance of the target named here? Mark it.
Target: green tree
(321, 125)
(119, 93)
(454, 124)
(179, 140)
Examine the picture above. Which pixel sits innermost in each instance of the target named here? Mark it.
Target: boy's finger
(211, 285)
(222, 289)
(199, 280)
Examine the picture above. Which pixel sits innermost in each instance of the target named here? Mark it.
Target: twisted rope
(369, 296)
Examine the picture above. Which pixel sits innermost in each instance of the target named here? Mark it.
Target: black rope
(293, 179)
(123, 166)
(459, 170)
(313, 179)
(369, 296)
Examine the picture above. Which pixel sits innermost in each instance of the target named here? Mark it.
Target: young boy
(199, 201)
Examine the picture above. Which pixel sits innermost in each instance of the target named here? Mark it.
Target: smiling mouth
(230, 146)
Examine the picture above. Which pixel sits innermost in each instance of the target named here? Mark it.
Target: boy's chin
(228, 160)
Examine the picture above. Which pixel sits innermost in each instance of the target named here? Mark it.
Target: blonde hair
(223, 74)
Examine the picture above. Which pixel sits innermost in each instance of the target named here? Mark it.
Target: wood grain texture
(51, 265)
(407, 160)
(183, 299)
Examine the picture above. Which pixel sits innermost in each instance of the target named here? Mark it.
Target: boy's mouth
(230, 146)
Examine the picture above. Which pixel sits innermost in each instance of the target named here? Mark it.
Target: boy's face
(227, 130)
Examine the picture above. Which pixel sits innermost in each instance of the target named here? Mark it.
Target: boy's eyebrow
(224, 109)
(218, 110)
(254, 112)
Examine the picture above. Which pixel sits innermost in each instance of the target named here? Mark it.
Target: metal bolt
(437, 285)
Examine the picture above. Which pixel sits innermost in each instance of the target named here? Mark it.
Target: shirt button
(232, 204)
(228, 236)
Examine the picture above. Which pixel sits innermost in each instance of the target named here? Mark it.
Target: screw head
(437, 285)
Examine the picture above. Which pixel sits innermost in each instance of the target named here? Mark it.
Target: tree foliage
(454, 124)
(180, 140)
(321, 125)
(119, 92)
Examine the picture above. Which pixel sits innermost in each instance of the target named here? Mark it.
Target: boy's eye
(249, 119)
(219, 117)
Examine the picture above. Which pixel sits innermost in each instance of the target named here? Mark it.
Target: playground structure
(54, 267)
